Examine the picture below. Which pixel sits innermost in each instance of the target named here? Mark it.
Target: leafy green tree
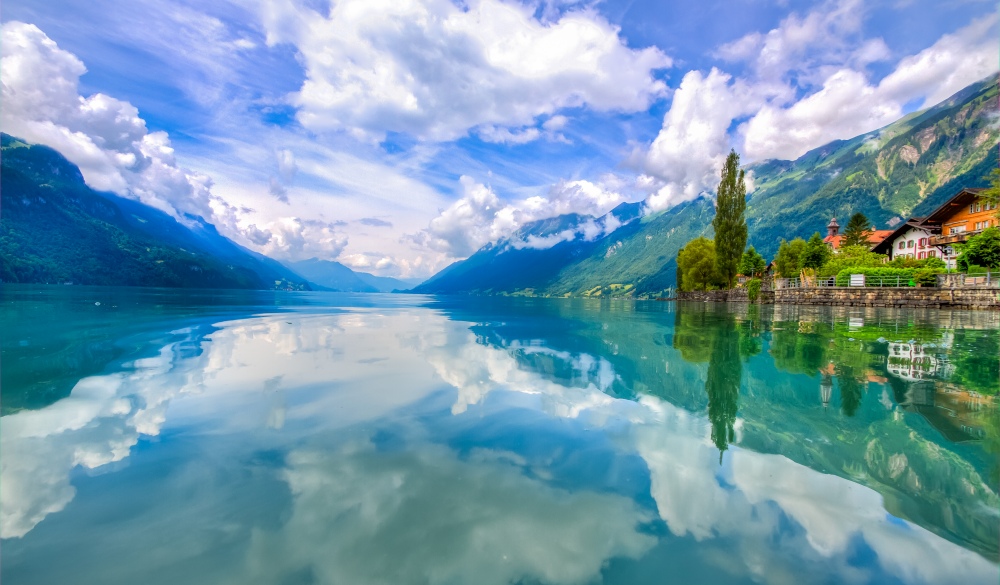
(696, 263)
(788, 260)
(816, 253)
(730, 223)
(982, 249)
(752, 263)
(857, 231)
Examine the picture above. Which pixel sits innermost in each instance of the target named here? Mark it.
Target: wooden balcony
(945, 239)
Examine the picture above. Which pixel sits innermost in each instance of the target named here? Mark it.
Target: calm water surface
(154, 436)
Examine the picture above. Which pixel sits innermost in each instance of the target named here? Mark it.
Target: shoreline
(971, 298)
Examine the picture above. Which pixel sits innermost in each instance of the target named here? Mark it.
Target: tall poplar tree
(729, 223)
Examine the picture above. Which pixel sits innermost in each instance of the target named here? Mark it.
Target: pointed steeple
(832, 228)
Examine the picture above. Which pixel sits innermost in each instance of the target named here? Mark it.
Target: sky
(398, 136)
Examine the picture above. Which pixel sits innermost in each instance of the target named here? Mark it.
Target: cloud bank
(104, 136)
(438, 71)
(807, 83)
(480, 216)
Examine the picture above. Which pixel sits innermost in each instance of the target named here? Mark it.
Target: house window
(922, 255)
(902, 244)
(932, 254)
(923, 242)
(909, 243)
(957, 229)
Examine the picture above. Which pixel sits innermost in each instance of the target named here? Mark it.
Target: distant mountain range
(335, 276)
(904, 169)
(56, 229)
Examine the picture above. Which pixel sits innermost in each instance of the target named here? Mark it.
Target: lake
(155, 436)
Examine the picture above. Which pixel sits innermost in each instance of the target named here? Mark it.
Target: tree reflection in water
(723, 384)
(710, 333)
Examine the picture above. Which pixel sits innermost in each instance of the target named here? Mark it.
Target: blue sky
(399, 136)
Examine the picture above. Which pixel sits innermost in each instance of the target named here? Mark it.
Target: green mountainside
(56, 229)
(907, 168)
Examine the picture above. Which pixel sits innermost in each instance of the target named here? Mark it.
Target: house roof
(949, 207)
(874, 237)
(886, 243)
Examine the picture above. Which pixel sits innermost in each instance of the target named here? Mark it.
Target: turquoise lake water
(213, 437)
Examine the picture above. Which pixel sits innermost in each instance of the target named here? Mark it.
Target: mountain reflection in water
(324, 438)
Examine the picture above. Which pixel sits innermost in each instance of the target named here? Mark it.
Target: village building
(934, 236)
(910, 240)
(957, 220)
(834, 239)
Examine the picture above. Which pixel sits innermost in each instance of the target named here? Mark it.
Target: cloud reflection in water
(325, 390)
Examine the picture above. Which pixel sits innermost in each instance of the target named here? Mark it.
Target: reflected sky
(386, 439)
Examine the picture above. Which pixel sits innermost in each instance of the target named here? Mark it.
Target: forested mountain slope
(56, 229)
(907, 168)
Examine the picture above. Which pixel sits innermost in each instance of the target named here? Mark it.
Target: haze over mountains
(335, 276)
(904, 169)
(56, 229)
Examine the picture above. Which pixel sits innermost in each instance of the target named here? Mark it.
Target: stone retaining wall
(936, 298)
(737, 295)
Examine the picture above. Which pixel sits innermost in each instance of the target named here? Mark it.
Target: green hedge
(878, 276)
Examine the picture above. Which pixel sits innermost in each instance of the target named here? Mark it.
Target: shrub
(879, 276)
(851, 256)
(907, 262)
(926, 276)
(753, 289)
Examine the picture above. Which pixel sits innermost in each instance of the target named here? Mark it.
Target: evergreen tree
(857, 231)
(729, 223)
(752, 263)
(816, 253)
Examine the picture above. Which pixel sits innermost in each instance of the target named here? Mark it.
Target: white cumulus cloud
(102, 135)
(849, 104)
(807, 84)
(293, 238)
(436, 70)
(688, 152)
(480, 216)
